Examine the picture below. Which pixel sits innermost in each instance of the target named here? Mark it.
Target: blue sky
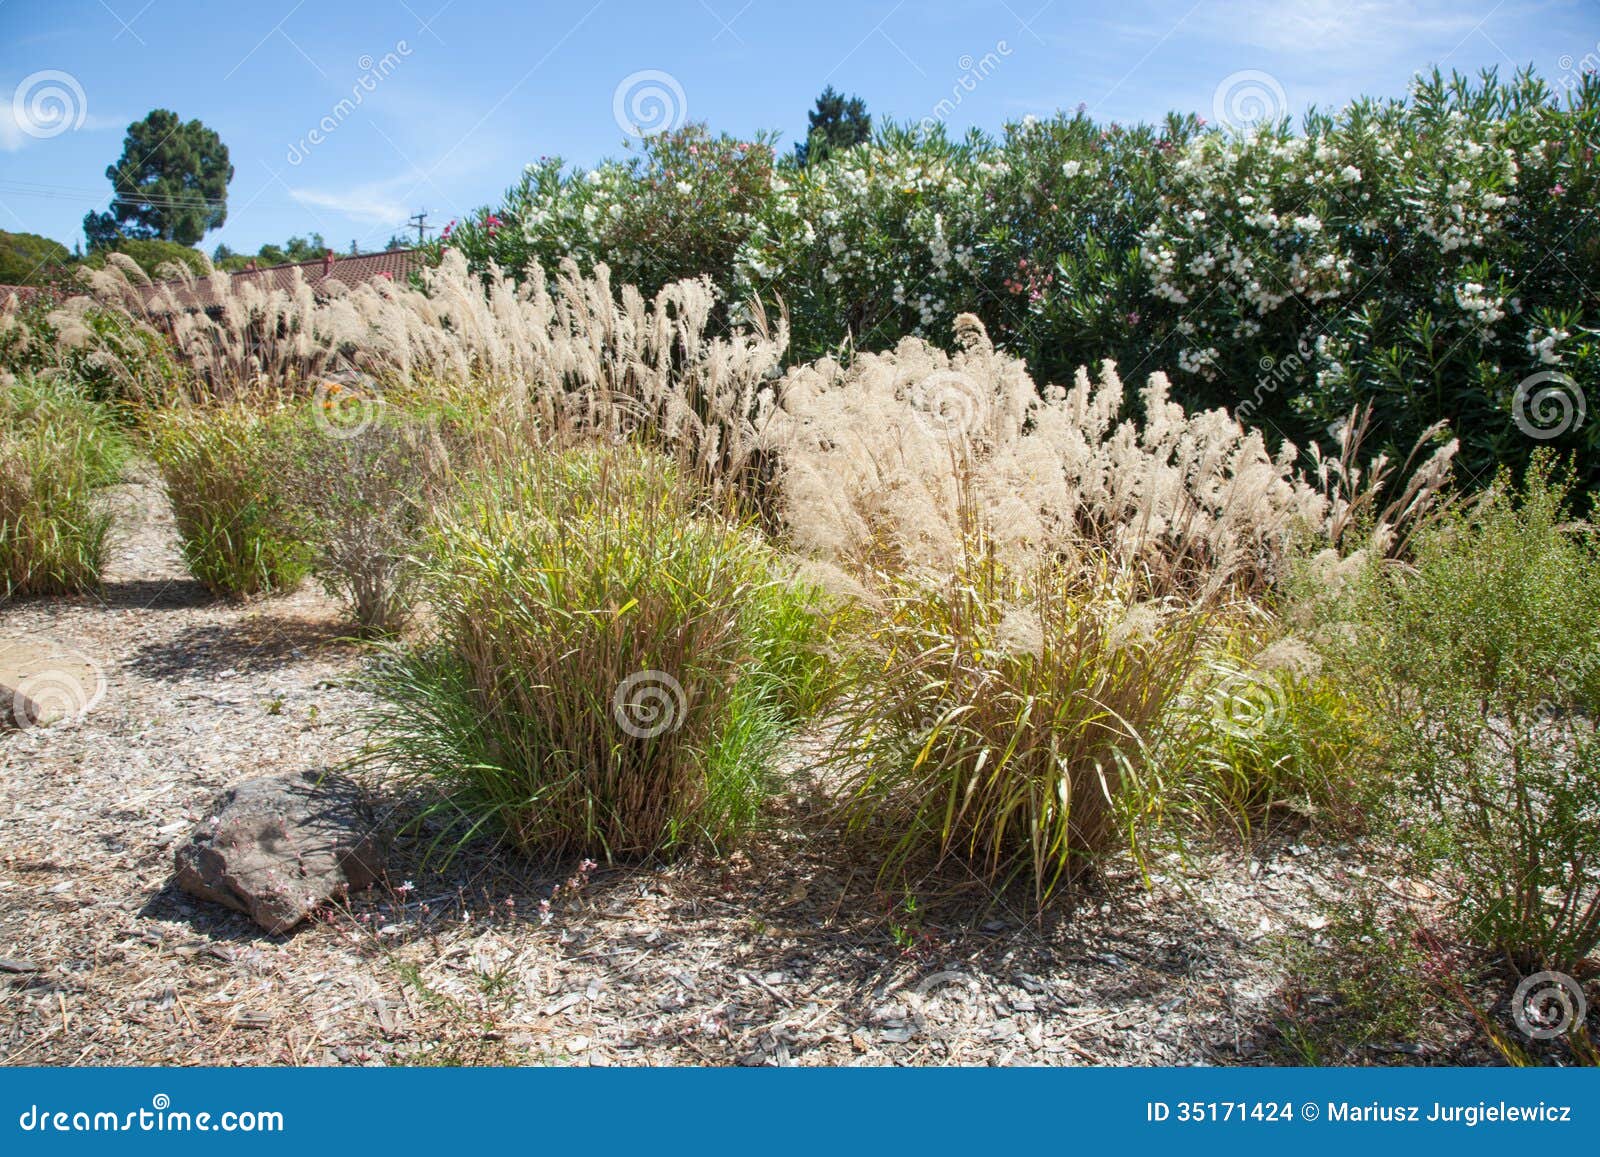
(456, 95)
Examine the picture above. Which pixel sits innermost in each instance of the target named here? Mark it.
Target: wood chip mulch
(787, 953)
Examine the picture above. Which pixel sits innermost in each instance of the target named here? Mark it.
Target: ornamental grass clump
(611, 666)
(57, 451)
(1006, 721)
(225, 468)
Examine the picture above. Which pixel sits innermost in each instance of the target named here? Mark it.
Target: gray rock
(276, 847)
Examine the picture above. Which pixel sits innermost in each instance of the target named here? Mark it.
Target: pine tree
(171, 183)
(836, 123)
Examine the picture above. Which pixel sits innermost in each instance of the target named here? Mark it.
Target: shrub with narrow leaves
(611, 665)
(57, 451)
(224, 469)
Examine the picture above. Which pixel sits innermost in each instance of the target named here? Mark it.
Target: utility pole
(419, 222)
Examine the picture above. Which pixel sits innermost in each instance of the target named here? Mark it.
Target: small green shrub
(57, 450)
(1272, 731)
(1370, 978)
(611, 662)
(1007, 721)
(225, 469)
(364, 496)
(1483, 663)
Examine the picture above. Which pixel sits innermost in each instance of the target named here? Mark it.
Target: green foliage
(1271, 731)
(611, 661)
(101, 349)
(29, 259)
(1421, 255)
(292, 251)
(224, 468)
(152, 254)
(835, 123)
(57, 450)
(364, 496)
(680, 208)
(1009, 721)
(1369, 978)
(171, 183)
(1483, 664)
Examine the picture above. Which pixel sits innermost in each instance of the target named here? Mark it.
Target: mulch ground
(787, 953)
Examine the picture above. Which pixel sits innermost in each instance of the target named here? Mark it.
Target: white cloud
(371, 204)
(14, 137)
(1349, 28)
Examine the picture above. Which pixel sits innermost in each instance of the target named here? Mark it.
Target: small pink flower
(1557, 189)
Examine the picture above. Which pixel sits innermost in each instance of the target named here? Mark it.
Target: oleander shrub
(1482, 663)
(225, 468)
(1421, 255)
(612, 663)
(58, 450)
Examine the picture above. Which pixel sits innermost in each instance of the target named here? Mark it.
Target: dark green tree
(836, 123)
(171, 183)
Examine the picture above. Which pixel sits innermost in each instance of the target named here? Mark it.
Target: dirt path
(783, 954)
